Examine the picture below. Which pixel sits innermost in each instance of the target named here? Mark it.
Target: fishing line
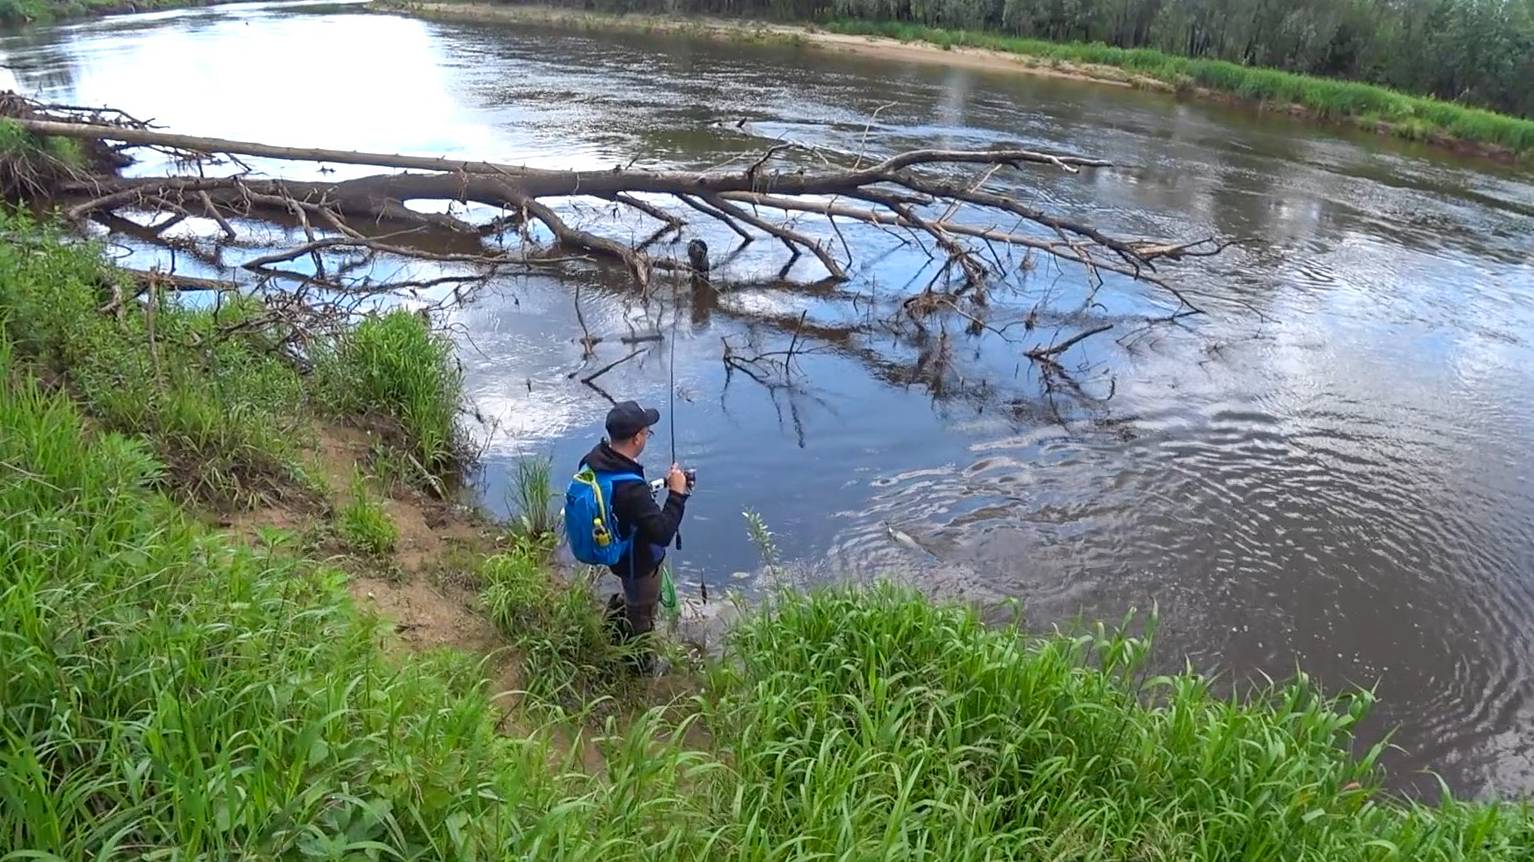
(675, 311)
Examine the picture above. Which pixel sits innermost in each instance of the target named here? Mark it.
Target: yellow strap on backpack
(599, 533)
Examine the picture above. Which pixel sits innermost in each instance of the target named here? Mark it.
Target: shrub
(364, 523)
(392, 366)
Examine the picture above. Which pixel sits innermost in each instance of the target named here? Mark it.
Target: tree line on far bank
(1478, 52)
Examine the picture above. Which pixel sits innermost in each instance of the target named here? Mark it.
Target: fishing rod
(692, 475)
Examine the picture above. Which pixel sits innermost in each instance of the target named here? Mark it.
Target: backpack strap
(613, 479)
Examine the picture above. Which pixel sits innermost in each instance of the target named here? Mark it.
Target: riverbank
(1466, 131)
(19, 13)
(201, 524)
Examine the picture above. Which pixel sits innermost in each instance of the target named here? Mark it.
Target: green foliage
(392, 367)
(18, 12)
(1475, 52)
(32, 166)
(13, 12)
(14, 140)
(67, 151)
(569, 658)
(761, 538)
(875, 725)
(219, 411)
(364, 523)
(18, 143)
(532, 497)
(1410, 117)
(169, 694)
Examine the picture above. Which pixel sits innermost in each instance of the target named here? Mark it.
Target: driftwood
(941, 201)
(893, 192)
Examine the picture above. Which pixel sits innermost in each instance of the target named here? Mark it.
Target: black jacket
(653, 527)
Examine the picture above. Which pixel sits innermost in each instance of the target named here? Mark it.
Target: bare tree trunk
(922, 193)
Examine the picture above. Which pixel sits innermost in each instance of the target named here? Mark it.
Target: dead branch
(671, 221)
(1047, 353)
(587, 341)
(180, 283)
(213, 213)
(707, 210)
(610, 366)
(790, 238)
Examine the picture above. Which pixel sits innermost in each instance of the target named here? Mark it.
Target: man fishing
(643, 529)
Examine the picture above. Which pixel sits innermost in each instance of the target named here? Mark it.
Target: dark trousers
(631, 616)
(641, 595)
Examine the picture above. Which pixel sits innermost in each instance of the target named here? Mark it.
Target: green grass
(1412, 117)
(532, 497)
(214, 389)
(218, 411)
(171, 695)
(568, 656)
(393, 366)
(876, 725)
(364, 524)
(19, 12)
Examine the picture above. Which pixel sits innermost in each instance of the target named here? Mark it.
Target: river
(1328, 471)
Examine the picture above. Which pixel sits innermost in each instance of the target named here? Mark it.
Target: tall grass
(569, 657)
(532, 497)
(211, 387)
(875, 725)
(392, 366)
(170, 695)
(364, 523)
(220, 412)
(1413, 117)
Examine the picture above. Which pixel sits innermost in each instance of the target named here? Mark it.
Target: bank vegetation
(1452, 73)
(17, 13)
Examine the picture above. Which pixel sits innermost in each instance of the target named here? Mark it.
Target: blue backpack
(589, 523)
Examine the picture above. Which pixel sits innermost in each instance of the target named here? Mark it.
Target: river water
(1328, 471)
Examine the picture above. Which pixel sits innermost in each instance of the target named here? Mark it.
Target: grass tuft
(364, 524)
(392, 367)
(532, 497)
(569, 657)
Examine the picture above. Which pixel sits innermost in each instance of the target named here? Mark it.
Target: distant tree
(1475, 51)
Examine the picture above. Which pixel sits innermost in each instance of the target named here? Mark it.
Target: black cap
(627, 419)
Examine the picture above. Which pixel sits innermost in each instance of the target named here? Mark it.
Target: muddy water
(1330, 470)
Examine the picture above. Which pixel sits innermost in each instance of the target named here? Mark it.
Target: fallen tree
(950, 204)
(893, 193)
